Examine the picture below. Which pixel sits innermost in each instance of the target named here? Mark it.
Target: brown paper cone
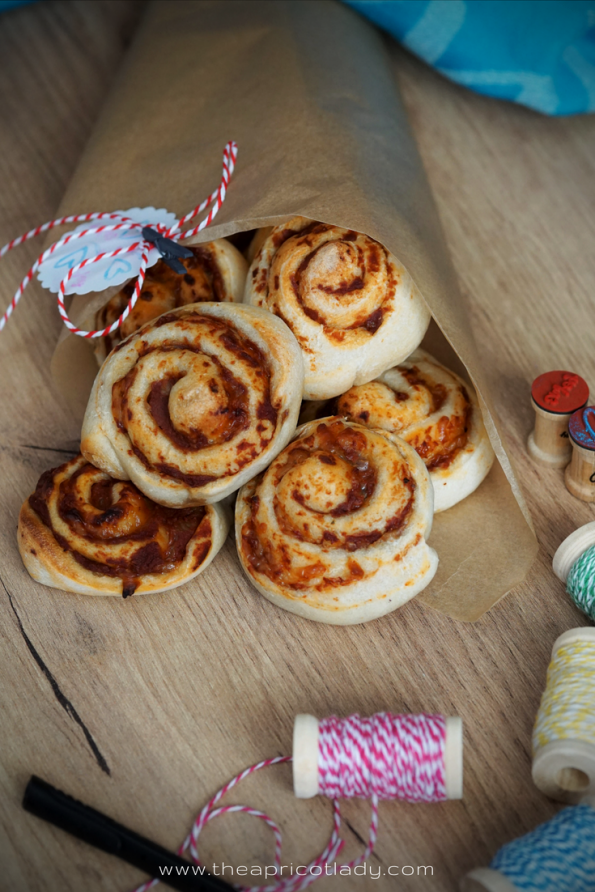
(307, 92)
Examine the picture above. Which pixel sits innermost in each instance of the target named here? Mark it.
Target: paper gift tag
(107, 272)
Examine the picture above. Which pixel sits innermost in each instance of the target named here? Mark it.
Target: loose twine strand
(382, 757)
(120, 223)
(580, 583)
(566, 709)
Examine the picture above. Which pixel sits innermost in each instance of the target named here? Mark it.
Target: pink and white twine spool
(414, 758)
(385, 756)
(118, 223)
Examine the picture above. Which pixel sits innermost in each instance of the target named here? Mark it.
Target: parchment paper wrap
(307, 91)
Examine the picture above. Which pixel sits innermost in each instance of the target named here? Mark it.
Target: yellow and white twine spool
(564, 732)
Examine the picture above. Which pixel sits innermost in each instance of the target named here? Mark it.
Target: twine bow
(162, 237)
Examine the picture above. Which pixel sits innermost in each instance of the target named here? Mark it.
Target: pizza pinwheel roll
(435, 411)
(351, 305)
(335, 529)
(216, 272)
(195, 403)
(83, 531)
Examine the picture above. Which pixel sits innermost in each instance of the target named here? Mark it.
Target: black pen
(91, 826)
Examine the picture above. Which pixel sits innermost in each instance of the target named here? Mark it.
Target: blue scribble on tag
(72, 259)
(116, 267)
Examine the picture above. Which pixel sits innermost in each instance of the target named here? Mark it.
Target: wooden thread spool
(305, 757)
(486, 879)
(554, 397)
(574, 565)
(571, 549)
(580, 473)
(565, 769)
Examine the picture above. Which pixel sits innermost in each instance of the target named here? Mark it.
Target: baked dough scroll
(194, 404)
(335, 529)
(431, 408)
(352, 306)
(216, 272)
(84, 532)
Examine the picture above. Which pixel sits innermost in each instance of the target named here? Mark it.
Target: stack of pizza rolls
(199, 400)
(182, 413)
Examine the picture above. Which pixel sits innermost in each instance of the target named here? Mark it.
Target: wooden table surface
(144, 708)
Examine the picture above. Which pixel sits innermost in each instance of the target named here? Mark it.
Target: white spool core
(305, 757)
(565, 770)
(484, 879)
(582, 633)
(453, 758)
(571, 549)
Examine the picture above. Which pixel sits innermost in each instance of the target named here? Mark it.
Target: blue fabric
(8, 4)
(555, 857)
(540, 53)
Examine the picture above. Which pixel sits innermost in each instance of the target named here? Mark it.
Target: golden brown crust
(84, 532)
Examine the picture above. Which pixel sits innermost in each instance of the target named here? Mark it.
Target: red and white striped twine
(382, 757)
(388, 756)
(119, 222)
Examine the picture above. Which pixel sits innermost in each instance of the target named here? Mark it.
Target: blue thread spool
(555, 857)
(580, 473)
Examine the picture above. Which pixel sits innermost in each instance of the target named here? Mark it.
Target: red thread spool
(555, 396)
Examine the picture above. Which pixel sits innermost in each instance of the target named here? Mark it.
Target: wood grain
(144, 708)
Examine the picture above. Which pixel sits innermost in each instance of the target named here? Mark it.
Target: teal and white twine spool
(574, 564)
(555, 857)
(580, 583)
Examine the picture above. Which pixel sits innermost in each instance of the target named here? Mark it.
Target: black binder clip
(170, 251)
